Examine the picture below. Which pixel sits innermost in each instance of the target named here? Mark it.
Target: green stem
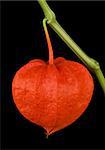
(101, 78)
(92, 64)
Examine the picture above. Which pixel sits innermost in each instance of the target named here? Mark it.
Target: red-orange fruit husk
(52, 96)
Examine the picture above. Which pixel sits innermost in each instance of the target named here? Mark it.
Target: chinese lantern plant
(52, 94)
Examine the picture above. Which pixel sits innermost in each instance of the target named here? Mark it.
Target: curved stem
(92, 64)
(48, 42)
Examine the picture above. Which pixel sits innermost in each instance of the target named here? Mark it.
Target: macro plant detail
(54, 94)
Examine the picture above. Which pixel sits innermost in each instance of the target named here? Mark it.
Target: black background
(23, 39)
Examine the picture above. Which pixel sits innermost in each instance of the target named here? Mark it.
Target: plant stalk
(51, 59)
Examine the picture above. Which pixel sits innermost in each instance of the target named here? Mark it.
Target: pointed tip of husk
(49, 132)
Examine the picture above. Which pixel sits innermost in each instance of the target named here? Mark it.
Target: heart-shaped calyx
(53, 94)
